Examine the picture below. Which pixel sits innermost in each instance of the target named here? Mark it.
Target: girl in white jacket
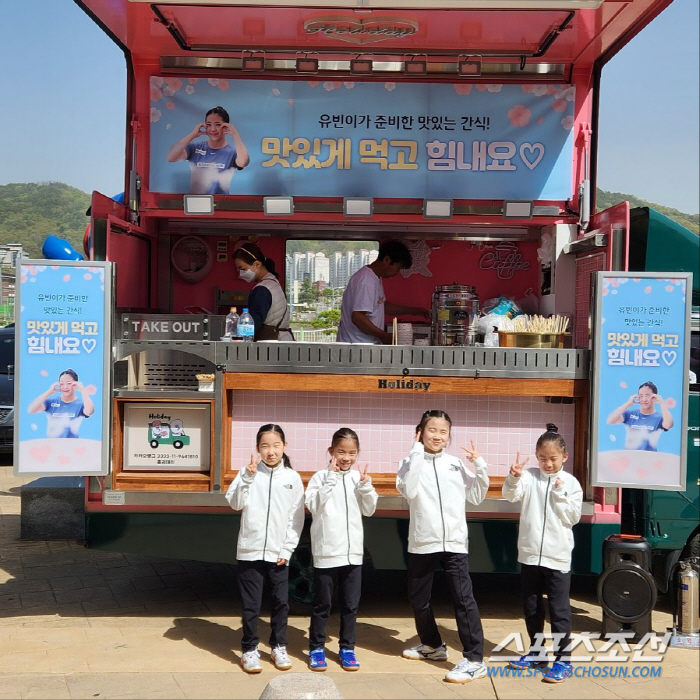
(271, 495)
(337, 498)
(551, 505)
(437, 487)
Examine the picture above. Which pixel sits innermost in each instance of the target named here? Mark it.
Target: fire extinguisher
(688, 592)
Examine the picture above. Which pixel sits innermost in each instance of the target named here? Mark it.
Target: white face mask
(246, 275)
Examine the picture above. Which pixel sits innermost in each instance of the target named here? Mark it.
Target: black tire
(177, 444)
(301, 580)
(154, 444)
(692, 549)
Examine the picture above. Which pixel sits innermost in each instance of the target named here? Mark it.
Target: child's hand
(419, 435)
(364, 474)
(252, 467)
(281, 562)
(558, 483)
(333, 466)
(473, 452)
(516, 469)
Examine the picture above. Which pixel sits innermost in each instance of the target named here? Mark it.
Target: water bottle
(231, 330)
(246, 328)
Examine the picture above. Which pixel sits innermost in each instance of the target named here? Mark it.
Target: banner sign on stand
(320, 138)
(640, 379)
(63, 362)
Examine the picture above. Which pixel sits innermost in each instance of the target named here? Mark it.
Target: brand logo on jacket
(361, 31)
(403, 385)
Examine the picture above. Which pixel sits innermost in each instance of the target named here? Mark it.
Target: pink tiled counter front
(386, 425)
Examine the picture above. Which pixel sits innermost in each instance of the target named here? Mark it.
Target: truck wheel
(301, 580)
(692, 549)
(177, 444)
(154, 444)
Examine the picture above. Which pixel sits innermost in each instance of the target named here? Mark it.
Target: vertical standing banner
(63, 364)
(640, 379)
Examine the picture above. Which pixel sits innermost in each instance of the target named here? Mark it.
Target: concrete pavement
(78, 623)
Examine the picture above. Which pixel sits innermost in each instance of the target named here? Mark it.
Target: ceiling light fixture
(278, 206)
(201, 204)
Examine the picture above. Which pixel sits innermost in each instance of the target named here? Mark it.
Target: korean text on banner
(336, 139)
(63, 356)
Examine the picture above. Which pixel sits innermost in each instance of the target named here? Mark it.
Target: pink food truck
(467, 130)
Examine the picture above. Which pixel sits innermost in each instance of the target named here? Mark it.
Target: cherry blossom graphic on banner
(332, 138)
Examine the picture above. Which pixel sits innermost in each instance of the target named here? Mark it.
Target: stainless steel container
(455, 311)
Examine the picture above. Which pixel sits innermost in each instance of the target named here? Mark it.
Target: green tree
(327, 319)
(306, 293)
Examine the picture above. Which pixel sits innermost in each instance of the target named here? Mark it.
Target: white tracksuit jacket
(272, 501)
(547, 515)
(337, 501)
(437, 488)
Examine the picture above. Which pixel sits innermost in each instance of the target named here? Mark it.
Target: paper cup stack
(404, 334)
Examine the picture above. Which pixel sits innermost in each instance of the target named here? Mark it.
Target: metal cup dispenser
(455, 311)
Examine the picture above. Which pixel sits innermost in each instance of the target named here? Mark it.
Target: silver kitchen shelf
(341, 358)
(345, 358)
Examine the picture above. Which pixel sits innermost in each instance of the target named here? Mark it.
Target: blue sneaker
(559, 672)
(317, 659)
(529, 661)
(348, 660)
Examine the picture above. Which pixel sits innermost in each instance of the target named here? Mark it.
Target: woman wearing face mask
(267, 303)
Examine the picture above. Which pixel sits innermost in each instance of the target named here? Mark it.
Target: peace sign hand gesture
(252, 467)
(364, 474)
(333, 466)
(516, 469)
(473, 452)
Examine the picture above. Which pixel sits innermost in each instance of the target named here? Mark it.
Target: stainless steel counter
(345, 358)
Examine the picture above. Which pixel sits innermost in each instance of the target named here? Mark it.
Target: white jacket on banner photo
(337, 501)
(272, 501)
(547, 514)
(437, 488)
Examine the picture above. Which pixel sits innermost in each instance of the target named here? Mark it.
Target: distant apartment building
(322, 268)
(318, 267)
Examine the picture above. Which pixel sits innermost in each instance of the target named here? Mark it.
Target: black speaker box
(626, 588)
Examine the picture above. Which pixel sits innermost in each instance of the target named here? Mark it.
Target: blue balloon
(56, 248)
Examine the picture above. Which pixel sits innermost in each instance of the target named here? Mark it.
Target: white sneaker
(281, 658)
(250, 661)
(423, 651)
(466, 671)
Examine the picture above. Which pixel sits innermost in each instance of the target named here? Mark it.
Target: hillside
(31, 211)
(607, 199)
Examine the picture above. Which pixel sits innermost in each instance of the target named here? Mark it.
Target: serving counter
(500, 397)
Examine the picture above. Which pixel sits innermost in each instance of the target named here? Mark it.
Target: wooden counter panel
(161, 481)
(481, 386)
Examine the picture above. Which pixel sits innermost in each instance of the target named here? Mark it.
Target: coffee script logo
(361, 31)
(405, 384)
(506, 259)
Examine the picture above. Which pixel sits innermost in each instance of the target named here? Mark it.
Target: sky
(64, 85)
